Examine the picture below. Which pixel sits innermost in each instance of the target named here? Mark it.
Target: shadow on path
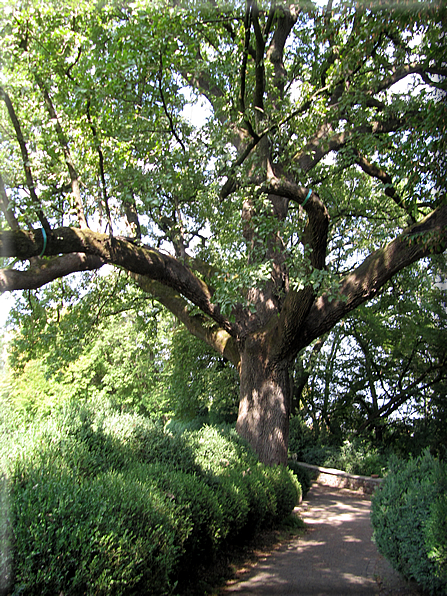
(335, 557)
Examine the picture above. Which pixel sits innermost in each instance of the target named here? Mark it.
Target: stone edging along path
(340, 479)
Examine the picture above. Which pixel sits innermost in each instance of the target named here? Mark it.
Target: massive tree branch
(216, 337)
(259, 63)
(420, 240)
(316, 231)
(202, 82)
(325, 140)
(379, 173)
(285, 20)
(117, 251)
(46, 271)
(243, 71)
(404, 71)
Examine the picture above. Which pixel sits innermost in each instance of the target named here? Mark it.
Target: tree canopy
(315, 175)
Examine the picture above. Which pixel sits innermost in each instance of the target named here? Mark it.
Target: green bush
(436, 536)
(197, 504)
(232, 495)
(408, 516)
(107, 504)
(115, 534)
(305, 477)
(262, 498)
(357, 457)
(217, 448)
(300, 436)
(287, 490)
(149, 442)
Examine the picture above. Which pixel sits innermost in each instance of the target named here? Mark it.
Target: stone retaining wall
(340, 479)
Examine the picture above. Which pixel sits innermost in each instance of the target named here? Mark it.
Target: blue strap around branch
(44, 234)
(307, 198)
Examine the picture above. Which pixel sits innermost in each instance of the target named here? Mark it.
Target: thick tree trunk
(264, 407)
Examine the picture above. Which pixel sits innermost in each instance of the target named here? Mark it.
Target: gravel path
(335, 557)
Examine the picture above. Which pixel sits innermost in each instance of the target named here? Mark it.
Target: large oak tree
(314, 175)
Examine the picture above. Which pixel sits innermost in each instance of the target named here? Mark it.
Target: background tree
(313, 181)
(103, 339)
(382, 369)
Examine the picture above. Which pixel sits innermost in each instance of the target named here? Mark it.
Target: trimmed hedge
(409, 517)
(108, 504)
(305, 476)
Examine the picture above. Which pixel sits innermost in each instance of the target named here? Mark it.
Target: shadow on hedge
(103, 503)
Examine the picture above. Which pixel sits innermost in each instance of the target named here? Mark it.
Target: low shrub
(108, 504)
(305, 477)
(262, 498)
(198, 505)
(409, 521)
(232, 495)
(287, 490)
(357, 457)
(436, 535)
(217, 448)
(148, 442)
(115, 534)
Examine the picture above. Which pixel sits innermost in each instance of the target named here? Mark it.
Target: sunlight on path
(335, 557)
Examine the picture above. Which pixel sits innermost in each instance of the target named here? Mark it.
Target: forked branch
(26, 160)
(46, 271)
(74, 177)
(422, 239)
(379, 173)
(217, 338)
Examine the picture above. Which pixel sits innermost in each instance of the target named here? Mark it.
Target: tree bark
(264, 407)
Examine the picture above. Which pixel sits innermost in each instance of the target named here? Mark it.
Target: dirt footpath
(335, 557)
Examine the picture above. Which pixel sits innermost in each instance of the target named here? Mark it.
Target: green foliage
(112, 535)
(357, 457)
(106, 503)
(354, 457)
(388, 358)
(113, 345)
(199, 510)
(219, 447)
(286, 489)
(407, 520)
(33, 392)
(304, 476)
(320, 94)
(105, 343)
(199, 382)
(436, 535)
(300, 435)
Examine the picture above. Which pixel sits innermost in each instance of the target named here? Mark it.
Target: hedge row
(409, 516)
(109, 504)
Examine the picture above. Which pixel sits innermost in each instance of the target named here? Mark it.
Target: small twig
(165, 107)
